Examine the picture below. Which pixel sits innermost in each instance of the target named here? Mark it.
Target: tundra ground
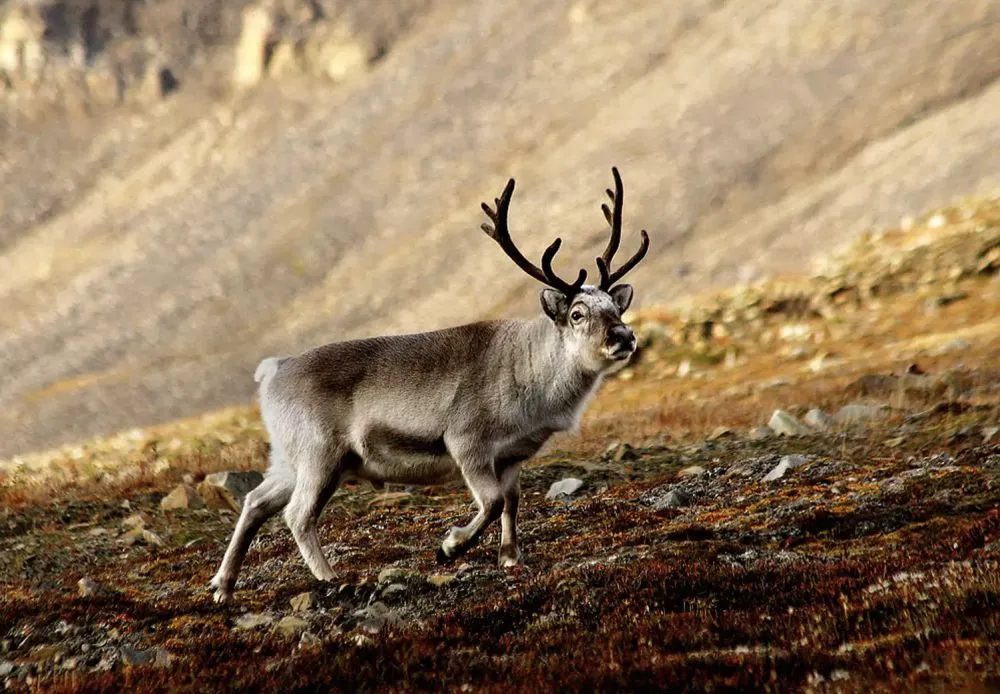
(870, 563)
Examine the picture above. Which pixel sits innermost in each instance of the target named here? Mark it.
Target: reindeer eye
(576, 316)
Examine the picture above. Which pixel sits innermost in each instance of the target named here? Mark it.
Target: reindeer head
(589, 318)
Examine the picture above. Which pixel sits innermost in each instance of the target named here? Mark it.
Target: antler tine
(608, 278)
(499, 232)
(555, 280)
(614, 219)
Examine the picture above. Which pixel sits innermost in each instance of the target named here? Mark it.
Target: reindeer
(471, 402)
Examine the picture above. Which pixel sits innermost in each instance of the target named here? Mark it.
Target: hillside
(162, 231)
(794, 487)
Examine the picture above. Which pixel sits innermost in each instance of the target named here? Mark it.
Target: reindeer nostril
(620, 336)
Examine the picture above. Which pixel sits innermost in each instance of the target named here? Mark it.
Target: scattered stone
(838, 675)
(684, 368)
(309, 640)
(303, 602)
(252, 620)
(183, 496)
(719, 432)
(989, 433)
(785, 424)
(393, 588)
(6, 668)
(788, 462)
(291, 625)
(819, 362)
(151, 656)
(88, 588)
(340, 53)
(691, 471)
(674, 498)
(859, 413)
(760, 433)
(137, 520)
(251, 50)
(817, 419)
(376, 616)
(564, 487)
(620, 453)
(438, 580)
(141, 536)
(227, 490)
(394, 574)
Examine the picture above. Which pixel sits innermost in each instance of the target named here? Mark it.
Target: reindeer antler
(608, 278)
(499, 232)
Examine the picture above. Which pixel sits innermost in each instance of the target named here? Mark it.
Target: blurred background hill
(191, 185)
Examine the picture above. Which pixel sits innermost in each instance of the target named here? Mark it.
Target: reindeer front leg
(477, 469)
(510, 486)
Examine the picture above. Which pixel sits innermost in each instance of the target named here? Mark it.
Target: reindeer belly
(524, 447)
(389, 455)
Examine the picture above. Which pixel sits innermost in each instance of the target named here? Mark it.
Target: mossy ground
(874, 565)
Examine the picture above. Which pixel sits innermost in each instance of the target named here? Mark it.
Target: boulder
(227, 490)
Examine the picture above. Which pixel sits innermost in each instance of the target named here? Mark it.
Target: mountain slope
(204, 234)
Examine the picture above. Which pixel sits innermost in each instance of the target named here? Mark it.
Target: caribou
(470, 403)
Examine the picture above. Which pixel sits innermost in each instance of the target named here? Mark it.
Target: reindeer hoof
(442, 557)
(510, 558)
(221, 596)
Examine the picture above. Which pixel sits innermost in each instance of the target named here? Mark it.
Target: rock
(691, 471)
(859, 413)
(394, 574)
(252, 620)
(251, 50)
(137, 520)
(785, 424)
(151, 656)
(817, 419)
(376, 616)
(303, 602)
(393, 588)
(291, 625)
(88, 588)
(674, 498)
(564, 487)
(183, 496)
(989, 433)
(719, 432)
(6, 668)
(788, 462)
(341, 53)
(620, 453)
(438, 580)
(158, 80)
(141, 536)
(285, 60)
(309, 640)
(760, 433)
(227, 490)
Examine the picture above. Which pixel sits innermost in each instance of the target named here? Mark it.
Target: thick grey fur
(471, 402)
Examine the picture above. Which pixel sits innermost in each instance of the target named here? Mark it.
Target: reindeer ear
(555, 304)
(622, 296)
